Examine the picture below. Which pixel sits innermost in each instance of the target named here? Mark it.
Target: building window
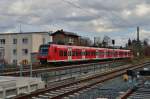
(71, 40)
(14, 61)
(2, 53)
(24, 51)
(14, 51)
(2, 41)
(14, 41)
(25, 40)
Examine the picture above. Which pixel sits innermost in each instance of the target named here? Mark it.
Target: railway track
(26, 72)
(65, 89)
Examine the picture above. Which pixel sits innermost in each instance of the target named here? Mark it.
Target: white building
(16, 47)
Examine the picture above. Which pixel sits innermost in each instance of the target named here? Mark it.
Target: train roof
(75, 46)
(86, 47)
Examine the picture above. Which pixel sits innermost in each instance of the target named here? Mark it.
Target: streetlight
(31, 65)
(2, 57)
(113, 42)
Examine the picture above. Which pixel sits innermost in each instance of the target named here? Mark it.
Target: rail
(41, 70)
(81, 84)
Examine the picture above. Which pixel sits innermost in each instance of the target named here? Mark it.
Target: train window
(103, 53)
(97, 53)
(108, 53)
(94, 53)
(100, 53)
(61, 53)
(116, 53)
(80, 53)
(65, 53)
(86, 53)
(121, 53)
(76, 53)
(83, 53)
(69, 53)
(43, 49)
(73, 53)
(111, 53)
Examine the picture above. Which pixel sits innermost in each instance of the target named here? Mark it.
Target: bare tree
(145, 42)
(97, 42)
(85, 41)
(106, 41)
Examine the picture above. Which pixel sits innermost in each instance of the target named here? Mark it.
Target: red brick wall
(64, 38)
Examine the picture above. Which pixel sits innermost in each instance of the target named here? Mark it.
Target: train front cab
(43, 53)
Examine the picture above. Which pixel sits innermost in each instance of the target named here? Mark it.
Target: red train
(64, 53)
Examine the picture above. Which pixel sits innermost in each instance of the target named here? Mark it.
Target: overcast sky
(115, 18)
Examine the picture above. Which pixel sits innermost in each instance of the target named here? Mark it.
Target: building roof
(65, 33)
(44, 32)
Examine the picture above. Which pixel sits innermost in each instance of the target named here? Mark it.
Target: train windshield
(43, 49)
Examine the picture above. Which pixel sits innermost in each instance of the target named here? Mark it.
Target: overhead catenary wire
(88, 12)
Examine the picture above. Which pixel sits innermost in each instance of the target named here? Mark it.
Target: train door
(69, 54)
(105, 53)
(83, 54)
(97, 53)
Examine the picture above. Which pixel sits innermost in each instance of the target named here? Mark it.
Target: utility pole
(138, 29)
(94, 41)
(21, 69)
(31, 65)
(113, 42)
(138, 41)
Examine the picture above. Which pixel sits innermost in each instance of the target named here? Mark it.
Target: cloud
(94, 17)
(142, 9)
(144, 34)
